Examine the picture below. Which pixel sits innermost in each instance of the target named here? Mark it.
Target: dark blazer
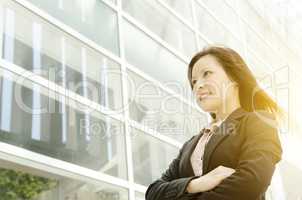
(245, 141)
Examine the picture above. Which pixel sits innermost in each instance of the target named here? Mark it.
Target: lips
(202, 95)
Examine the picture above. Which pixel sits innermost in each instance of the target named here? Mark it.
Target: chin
(208, 105)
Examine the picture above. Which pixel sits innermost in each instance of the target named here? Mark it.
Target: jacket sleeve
(260, 152)
(169, 186)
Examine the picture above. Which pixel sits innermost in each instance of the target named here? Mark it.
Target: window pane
(113, 1)
(19, 182)
(146, 151)
(282, 75)
(258, 67)
(253, 17)
(282, 96)
(213, 30)
(202, 43)
(36, 119)
(152, 107)
(208, 26)
(165, 25)
(152, 59)
(257, 45)
(37, 46)
(224, 13)
(139, 196)
(234, 43)
(91, 18)
(181, 7)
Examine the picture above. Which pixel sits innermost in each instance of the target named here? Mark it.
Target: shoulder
(260, 118)
(260, 123)
(261, 133)
(187, 142)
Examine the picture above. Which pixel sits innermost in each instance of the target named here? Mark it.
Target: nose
(199, 84)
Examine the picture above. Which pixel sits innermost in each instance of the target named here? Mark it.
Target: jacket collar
(227, 127)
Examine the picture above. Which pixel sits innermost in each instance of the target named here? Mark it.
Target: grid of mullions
(119, 56)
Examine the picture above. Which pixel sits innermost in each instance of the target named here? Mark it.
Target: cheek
(215, 86)
(219, 87)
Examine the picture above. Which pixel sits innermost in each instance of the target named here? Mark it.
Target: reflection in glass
(225, 14)
(217, 34)
(153, 59)
(92, 18)
(139, 196)
(164, 24)
(72, 134)
(38, 185)
(181, 7)
(6, 105)
(7, 84)
(37, 46)
(146, 153)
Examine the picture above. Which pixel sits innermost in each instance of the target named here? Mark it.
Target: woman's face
(211, 85)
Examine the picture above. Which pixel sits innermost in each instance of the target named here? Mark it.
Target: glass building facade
(94, 97)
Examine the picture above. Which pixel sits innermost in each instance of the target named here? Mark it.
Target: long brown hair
(251, 96)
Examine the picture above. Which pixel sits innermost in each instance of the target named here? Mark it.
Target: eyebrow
(201, 71)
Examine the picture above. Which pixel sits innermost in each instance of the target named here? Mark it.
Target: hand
(209, 180)
(221, 172)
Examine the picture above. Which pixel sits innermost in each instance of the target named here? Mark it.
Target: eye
(193, 82)
(206, 73)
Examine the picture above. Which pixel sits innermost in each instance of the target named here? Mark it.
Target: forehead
(205, 62)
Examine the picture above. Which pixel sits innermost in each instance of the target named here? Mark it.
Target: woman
(235, 157)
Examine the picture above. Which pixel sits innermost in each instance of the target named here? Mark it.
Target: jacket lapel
(227, 127)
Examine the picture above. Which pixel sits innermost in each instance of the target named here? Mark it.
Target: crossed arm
(259, 154)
